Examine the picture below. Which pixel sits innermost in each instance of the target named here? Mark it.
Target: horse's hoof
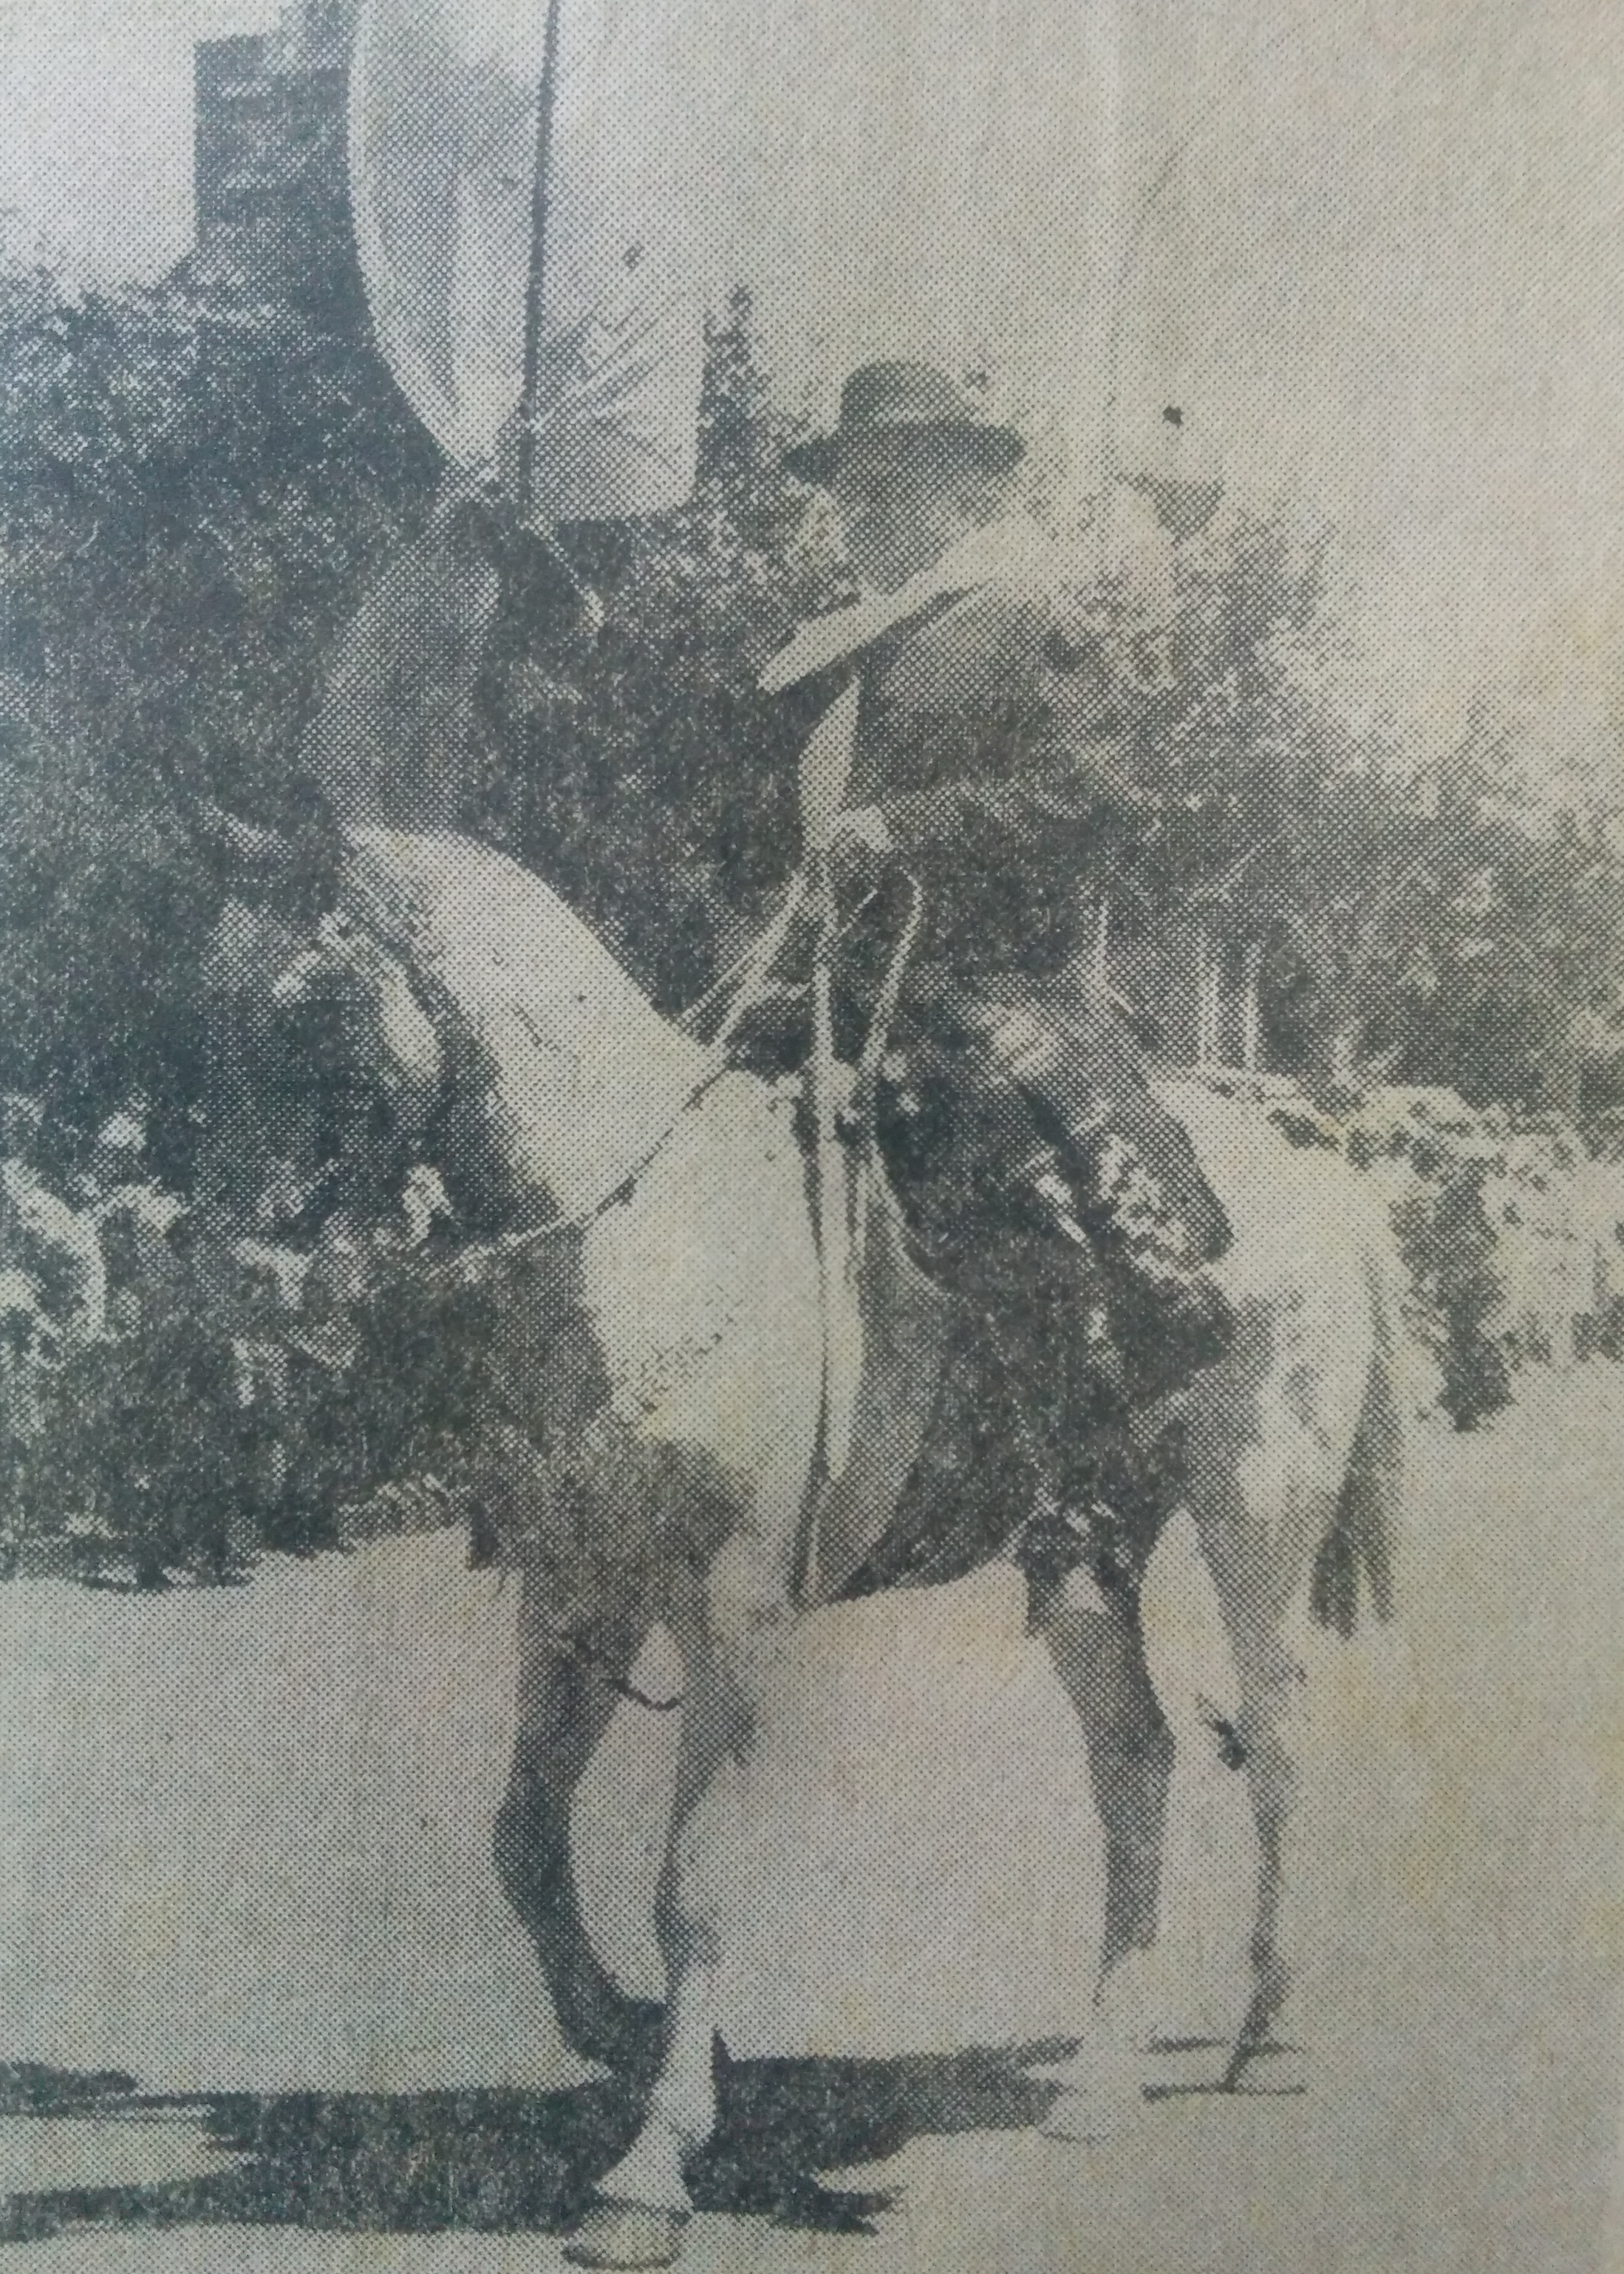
(1257, 2030)
(1236, 2070)
(1270, 2067)
(626, 2234)
(1101, 2087)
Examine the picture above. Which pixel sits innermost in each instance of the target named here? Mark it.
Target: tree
(195, 499)
(1442, 923)
(192, 496)
(196, 496)
(1464, 935)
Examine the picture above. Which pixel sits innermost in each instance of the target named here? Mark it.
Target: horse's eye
(343, 925)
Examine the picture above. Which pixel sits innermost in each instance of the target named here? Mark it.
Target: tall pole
(1252, 1013)
(530, 390)
(1127, 235)
(1095, 353)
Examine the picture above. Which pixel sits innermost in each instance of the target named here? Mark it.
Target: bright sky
(95, 155)
(1388, 277)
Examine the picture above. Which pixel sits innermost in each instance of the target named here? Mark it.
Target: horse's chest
(701, 1286)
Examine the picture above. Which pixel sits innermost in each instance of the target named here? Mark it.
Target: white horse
(673, 1367)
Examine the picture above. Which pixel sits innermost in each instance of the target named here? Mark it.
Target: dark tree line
(195, 494)
(192, 498)
(1427, 924)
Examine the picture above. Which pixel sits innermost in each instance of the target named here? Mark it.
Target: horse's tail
(1362, 1540)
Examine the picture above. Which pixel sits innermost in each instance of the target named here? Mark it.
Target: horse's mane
(575, 1074)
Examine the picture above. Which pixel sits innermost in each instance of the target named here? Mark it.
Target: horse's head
(328, 1068)
(348, 1028)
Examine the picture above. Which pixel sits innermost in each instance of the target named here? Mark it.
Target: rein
(742, 987)
(840, 1203)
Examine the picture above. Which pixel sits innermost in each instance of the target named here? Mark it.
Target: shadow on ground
(521, 2161)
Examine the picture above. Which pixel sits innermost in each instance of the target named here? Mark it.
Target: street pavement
(244, 1858)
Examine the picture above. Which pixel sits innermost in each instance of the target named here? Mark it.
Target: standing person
(1044, 1183)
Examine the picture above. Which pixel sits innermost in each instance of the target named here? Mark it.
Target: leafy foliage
(195, 491)
(1468, 942)
(193, 497)
(1437, 924)
(1448, 1243)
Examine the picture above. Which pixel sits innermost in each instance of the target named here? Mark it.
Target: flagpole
(530, 390)
(1128, 239)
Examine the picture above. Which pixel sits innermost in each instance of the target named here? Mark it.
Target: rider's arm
(1008, 689)
(1049, 807)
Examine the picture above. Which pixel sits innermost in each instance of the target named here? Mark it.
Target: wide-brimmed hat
(905, 398)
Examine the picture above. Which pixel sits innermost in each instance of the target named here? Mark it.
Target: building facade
(270, 167)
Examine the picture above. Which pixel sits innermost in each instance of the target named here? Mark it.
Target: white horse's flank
(699, 1283)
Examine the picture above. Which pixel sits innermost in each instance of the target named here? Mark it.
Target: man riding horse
(649, 1433)
(1043, 1184)
(947, 788)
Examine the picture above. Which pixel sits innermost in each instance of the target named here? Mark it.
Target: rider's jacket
(970, 739)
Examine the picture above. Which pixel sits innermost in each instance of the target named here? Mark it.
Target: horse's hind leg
(1271, 1433)
(1269, 1680)
(1248, 1550)
(1091, 1627)
(568, 1687)
(1090, 1622)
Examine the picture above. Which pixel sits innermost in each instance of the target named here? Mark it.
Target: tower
(270, 168)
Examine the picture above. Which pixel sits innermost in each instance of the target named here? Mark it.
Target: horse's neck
(578, 1075)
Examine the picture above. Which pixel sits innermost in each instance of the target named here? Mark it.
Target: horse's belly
(702, 1286)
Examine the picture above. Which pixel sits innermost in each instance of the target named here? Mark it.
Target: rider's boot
(1168, 1318)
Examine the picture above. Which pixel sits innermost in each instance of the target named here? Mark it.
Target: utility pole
(546, 104)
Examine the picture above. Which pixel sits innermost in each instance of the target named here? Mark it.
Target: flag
(937, 181)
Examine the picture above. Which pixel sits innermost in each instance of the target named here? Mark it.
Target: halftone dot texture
(288, 1850)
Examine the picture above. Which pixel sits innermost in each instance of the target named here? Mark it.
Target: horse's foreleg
(1271, 1435)
(1259, 1558)
(568, 1687)
(731, 1644)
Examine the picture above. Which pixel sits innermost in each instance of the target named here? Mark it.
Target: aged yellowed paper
(811, 1135)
